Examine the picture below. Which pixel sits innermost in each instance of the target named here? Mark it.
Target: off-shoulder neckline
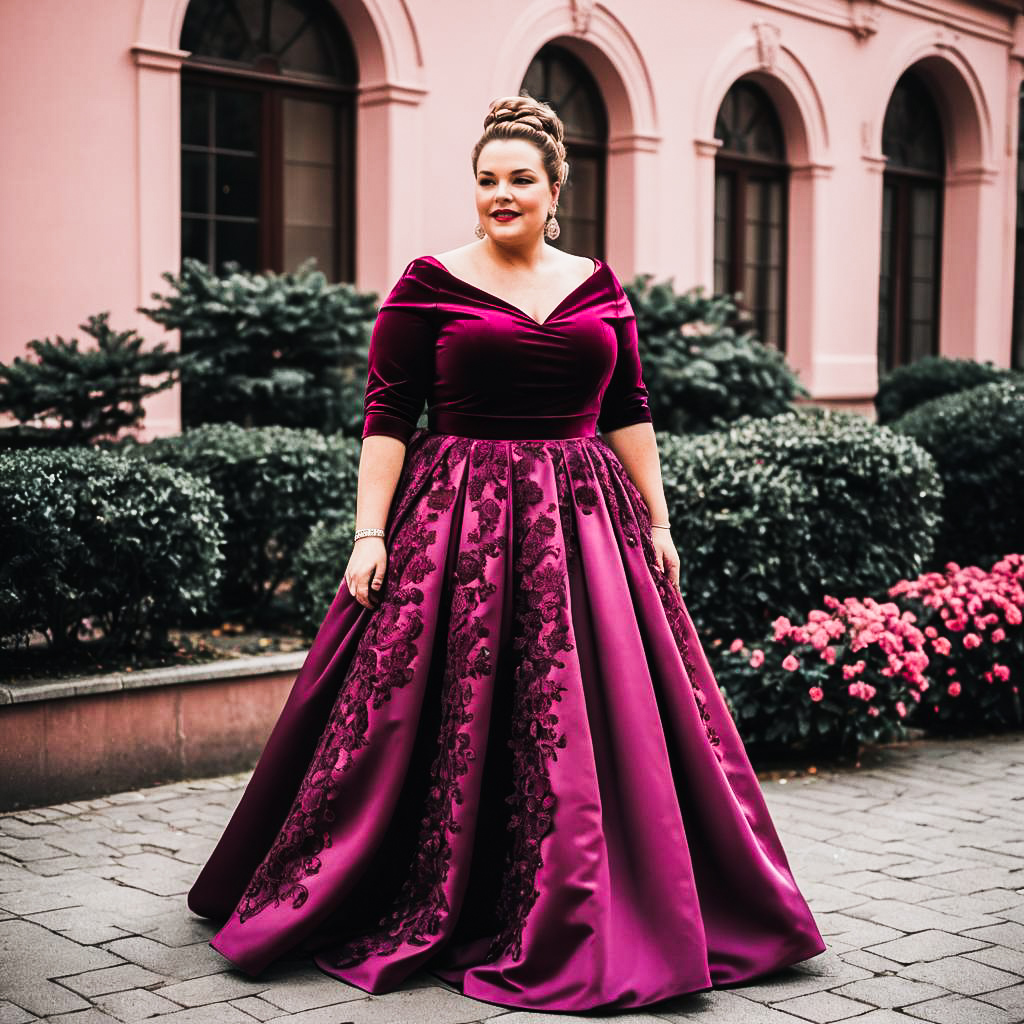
(598, 266)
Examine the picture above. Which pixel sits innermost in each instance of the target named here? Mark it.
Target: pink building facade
(852, 167)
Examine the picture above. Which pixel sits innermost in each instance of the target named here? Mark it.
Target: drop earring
(552, 229)
(479, 230)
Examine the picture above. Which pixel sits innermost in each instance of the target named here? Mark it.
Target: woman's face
(511, 177)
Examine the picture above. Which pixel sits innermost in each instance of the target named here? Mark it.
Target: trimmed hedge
(88, 535)
(909, 386)
(320, 567)
(276, 484)
(770, 515)
(704, 365)
(975, 439)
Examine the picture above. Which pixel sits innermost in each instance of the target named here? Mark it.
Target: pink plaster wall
(90, 204)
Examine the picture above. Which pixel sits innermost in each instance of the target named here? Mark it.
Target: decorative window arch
(912, 205)
(267, 135)
(751, 204)
(560, 78)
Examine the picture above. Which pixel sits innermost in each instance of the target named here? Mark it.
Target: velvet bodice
(485, 368)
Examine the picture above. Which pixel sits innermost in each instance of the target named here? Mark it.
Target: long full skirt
(517, 771)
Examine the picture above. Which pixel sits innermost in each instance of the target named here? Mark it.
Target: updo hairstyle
(523, 117)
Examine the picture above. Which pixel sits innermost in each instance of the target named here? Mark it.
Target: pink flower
(872, 710)
(819, 639)
(1001, 672)
(1013, 615)
(757, 658)
(849, 671)
(971, 641)
(998, 636)
(901, 709)
(829, 654)
(782, 627)
(941, 645)
(736, 645)
(816, 693)
(790, 664)
(953, 689)
(931, 631)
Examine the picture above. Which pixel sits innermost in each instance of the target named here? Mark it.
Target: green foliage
(269, 349)
(90, 394)
(906, 387)
(87, 535)
(703, 364)
(975, 439)
(276, 483)
(320, 567)
(770, 515)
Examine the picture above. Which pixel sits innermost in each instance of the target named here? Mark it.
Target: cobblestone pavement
(913, 866)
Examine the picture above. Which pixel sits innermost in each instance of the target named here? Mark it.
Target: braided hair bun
(523, 117)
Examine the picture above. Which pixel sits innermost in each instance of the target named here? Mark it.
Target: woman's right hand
(364, 573)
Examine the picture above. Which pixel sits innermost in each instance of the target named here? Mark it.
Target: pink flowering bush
(852, 672)
(971, 618)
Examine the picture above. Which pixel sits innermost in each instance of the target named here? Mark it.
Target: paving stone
(926, 945)
(218, 1013)
(960, 974)
(822, 1006)
(11, 1014)
(213, 988)
(134, 1005)
(717, 1005)
(297, 988)
(909, 918)
(90, 1016)
(961, 1010)
(870, 961)
(32, 956)
(181, 963)
(256, 1007)
(1011, 999)
(84, 925)
(1007, 933)
(420, 1005)
(110, 979)
(888, 991)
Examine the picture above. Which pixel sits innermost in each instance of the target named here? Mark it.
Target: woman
(505, 758)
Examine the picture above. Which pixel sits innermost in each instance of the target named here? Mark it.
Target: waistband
(512, 428)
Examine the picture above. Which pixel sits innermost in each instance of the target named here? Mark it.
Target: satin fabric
(518, 771)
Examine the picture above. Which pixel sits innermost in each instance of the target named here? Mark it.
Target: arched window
(751, 185)
(558, 77)
(912, 189)
(267, 135)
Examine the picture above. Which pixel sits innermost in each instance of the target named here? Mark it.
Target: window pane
(238, 120)
(195, 190)
(195, 115)
(238, 193)
(238, 241)
(311, 184)
(195, 239)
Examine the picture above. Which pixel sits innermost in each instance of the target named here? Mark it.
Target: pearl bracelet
(369, 531)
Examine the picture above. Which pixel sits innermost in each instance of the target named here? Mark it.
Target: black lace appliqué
(421, 905)
(383, 661)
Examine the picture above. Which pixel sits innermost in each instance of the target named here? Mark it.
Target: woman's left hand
(668, 559)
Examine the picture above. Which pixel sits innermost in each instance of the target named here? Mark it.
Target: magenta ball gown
(516, 772)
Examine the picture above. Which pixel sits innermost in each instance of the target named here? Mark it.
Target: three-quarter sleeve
(401, 359)
(625, 398)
